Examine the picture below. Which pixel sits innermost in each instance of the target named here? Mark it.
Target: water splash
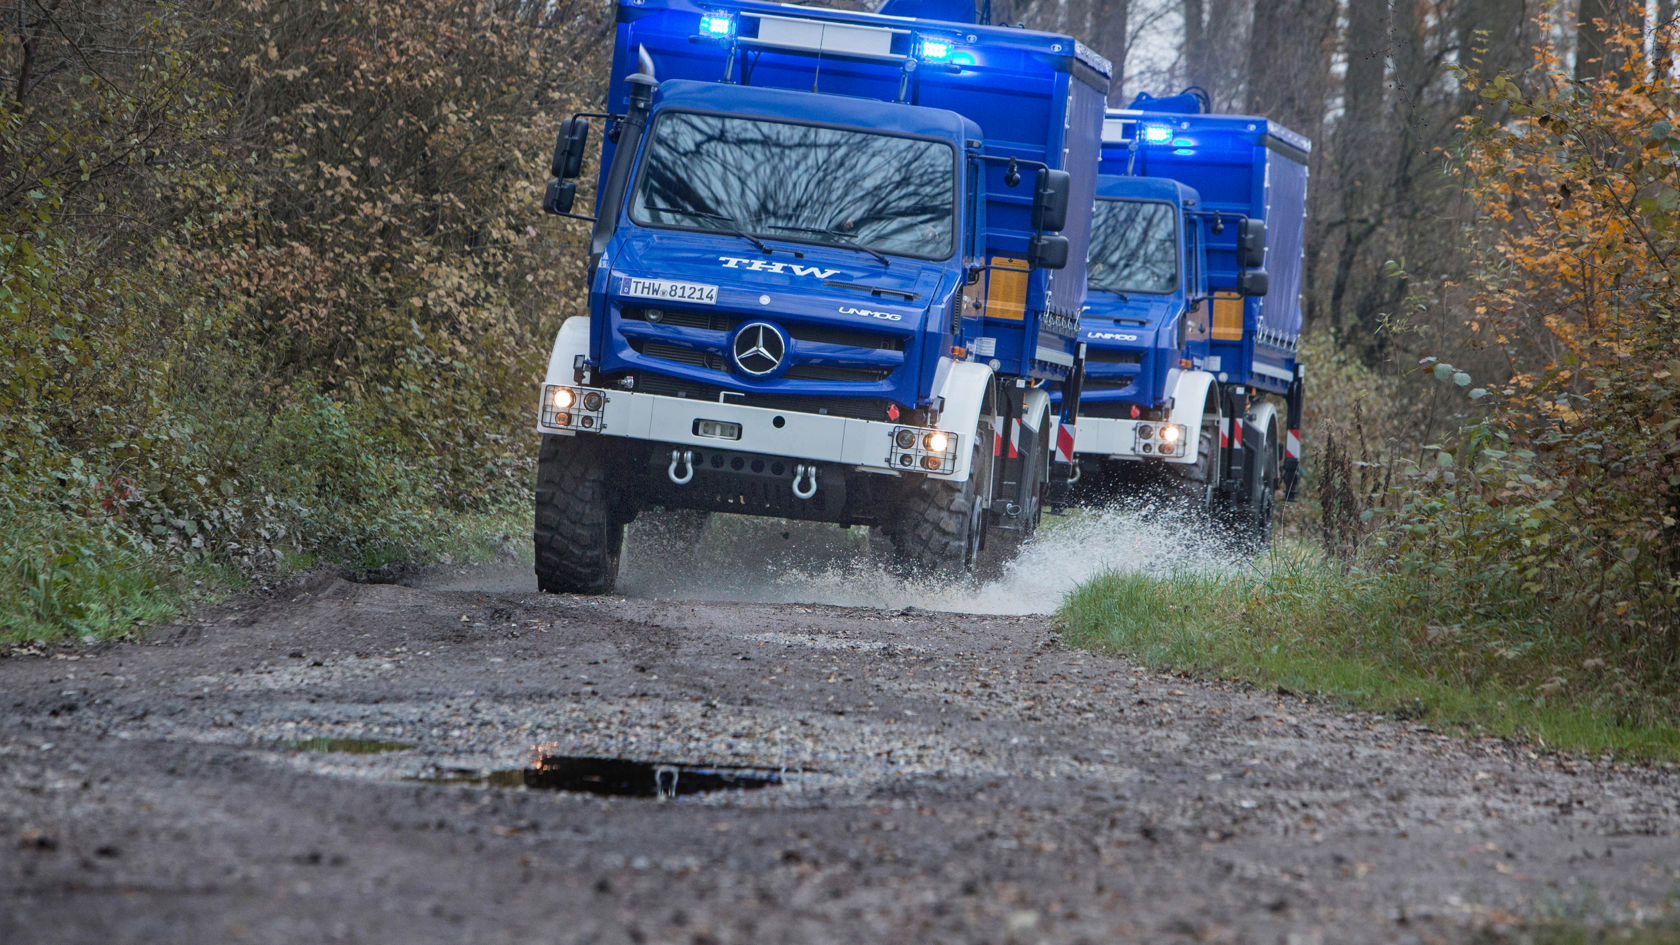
(771, 561)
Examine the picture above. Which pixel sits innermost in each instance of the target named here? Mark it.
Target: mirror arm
(1018, 162)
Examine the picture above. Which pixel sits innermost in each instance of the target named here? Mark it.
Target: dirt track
(947, 778)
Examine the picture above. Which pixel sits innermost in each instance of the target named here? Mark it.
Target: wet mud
(836, 758)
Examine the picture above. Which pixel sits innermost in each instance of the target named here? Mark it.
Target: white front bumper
(1118, 439)
(864, 444)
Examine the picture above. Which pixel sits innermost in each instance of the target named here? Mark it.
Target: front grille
(1099, 356)
(830, 335)
(710, 321)
(689, 356)
(1108, 383)
(859, 408)
(1106, 410)
(831, 372)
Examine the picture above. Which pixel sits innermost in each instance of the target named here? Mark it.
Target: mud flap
(1290, 473)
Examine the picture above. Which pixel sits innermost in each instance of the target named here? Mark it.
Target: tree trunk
(1358, 173)
(1289, 61)
(1596, 22)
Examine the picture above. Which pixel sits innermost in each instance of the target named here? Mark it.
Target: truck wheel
(939, 525)
(1197, 486)
(1004, 544)
(578, 538)
(1252, 517)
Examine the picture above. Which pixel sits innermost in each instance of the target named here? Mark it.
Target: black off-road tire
(939, 526)
(578, 534)
(1004, 544)
(1251, 518)
(1195, 486)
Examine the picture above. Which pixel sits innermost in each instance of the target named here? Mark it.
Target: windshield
(1134, 247)
(807, 183)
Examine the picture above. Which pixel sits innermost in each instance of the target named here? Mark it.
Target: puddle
(617, 777)
(354, 746)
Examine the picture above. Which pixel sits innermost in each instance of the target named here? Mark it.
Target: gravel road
(920, 776)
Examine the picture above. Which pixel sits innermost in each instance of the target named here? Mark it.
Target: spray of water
(735, 558)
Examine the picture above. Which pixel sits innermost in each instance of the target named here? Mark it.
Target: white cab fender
(570, 341)
(1263, 421)
(1190, 397)
(1189, 405)
(1262, 417)
(964, 390)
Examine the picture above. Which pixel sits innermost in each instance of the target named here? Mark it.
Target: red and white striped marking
(1064, 442)
(1230, 434)
(1292, 445)
(1014, 440)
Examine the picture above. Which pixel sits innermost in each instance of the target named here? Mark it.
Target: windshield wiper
(849, 241)
(734, 229)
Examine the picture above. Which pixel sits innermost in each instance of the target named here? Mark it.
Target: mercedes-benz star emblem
(759, 349)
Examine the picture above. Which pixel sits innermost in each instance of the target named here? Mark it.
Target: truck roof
(1205, 134)
(1120, 186)
(784, 104)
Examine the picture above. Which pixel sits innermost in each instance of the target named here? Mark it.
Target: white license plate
(722, 429)
(668, 290)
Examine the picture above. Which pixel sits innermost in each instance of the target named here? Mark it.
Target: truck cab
(833, 276)
(1146, 304)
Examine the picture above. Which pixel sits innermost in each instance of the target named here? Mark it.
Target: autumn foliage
(1560, 507)
(273, 280)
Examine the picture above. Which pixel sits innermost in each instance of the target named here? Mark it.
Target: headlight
(1171, 432)
(906, 439)
(592, 400)
(937, 442)
(562, 398)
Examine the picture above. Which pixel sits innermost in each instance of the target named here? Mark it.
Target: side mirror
(560, 195)
(1047, 252)
(1252, 282)
(1251, 244)
(1050, 201)
(568, 148)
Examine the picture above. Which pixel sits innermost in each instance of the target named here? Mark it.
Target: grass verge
(1387, 641)
(73, 578)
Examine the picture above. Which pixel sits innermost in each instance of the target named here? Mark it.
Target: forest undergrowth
(1512, 565)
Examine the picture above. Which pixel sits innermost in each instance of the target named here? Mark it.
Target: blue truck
(1194, 313)
(833, 276)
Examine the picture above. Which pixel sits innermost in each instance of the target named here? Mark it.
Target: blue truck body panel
(1003, 93)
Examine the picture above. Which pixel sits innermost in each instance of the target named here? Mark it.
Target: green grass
(1395, 643)
(72, 578)
(1572, 931)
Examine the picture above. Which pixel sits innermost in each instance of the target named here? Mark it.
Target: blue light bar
(717, 25)
(1155, 134)
(934, 50)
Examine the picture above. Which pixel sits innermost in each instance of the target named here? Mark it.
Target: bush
(272, 287)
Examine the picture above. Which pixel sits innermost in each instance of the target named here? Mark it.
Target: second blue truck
(1191, 377)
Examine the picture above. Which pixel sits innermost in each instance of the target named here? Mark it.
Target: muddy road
(371, 763)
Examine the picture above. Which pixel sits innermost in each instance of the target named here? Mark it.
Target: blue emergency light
(934, 50)
(717, 25)
(1155, 134)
